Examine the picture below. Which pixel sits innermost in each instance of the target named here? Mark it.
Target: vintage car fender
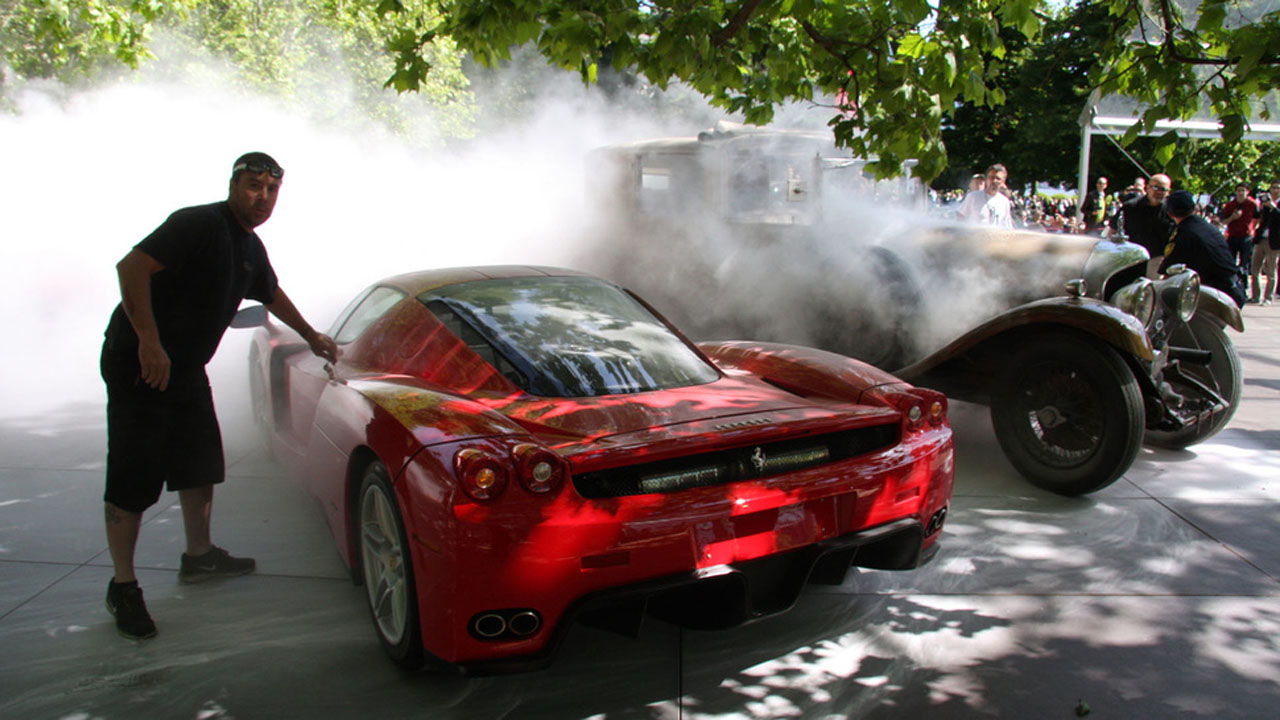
(1095, 317)
(1220, 305)
(816, 372)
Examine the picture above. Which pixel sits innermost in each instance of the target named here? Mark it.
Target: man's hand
(324, 346)
(155, 364)
(321, 344)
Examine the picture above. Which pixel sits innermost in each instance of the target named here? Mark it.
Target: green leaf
(1166, 144)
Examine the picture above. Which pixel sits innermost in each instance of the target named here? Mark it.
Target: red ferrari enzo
(502, 450)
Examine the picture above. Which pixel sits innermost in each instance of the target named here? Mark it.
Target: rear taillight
(539, 469)
(921, 408)
(483, 475)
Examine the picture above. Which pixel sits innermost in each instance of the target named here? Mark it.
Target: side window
(476, 342)
(378, 301)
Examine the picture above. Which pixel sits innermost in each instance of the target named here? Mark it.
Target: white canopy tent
(1113, 115)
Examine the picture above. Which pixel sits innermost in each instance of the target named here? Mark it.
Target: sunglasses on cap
(276, 171)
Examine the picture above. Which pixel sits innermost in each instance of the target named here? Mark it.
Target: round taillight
(539, 469)
(482, 475)
(937, 411)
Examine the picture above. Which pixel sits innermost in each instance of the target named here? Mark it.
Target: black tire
(388, 569)
(1223, 374)
(1068, 414)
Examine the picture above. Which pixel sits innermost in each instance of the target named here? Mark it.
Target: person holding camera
(1240, 215)
(1266, 246)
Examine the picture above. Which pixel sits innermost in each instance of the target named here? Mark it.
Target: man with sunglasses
(1147, 222)
(180, 286)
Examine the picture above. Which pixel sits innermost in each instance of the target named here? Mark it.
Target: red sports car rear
(504, 450)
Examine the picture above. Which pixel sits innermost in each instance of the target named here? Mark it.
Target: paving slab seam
(42, 590)
(1223, 543)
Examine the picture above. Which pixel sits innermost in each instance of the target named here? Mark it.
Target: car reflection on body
(503, 450)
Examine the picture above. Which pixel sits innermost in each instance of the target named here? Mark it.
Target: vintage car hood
(1026, 265)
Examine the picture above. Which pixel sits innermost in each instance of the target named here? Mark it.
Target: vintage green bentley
(1081, 354)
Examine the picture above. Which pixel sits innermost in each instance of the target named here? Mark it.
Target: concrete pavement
(1158, 597)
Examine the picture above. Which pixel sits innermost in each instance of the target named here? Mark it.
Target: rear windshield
(568, 336)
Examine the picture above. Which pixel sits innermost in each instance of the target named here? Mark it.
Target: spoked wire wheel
(1069, 415)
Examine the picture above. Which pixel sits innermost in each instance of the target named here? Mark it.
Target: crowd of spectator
(1239, 234)
(1035, 212)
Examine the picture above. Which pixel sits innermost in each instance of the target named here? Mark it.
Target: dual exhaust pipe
(935, 522)
(513, 624)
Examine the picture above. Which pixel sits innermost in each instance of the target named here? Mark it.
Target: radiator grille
(744, 463)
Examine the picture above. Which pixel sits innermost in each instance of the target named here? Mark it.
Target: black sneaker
(216, 563)
(124, 601)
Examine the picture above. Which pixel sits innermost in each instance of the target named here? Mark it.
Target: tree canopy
(289, 48)
(895, 73)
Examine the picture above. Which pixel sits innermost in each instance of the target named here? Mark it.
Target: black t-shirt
(1148, 225)
(1269, 227)
(211, 263)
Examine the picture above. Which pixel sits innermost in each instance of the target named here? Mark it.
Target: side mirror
(252, 316)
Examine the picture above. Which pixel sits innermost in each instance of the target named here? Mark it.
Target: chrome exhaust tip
(936, 522)
(505, 624)
(489, 625)
(524, 623)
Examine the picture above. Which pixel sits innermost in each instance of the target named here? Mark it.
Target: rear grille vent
(726, 466)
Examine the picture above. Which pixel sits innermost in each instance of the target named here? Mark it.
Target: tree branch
(735, 24)
(1176, 54)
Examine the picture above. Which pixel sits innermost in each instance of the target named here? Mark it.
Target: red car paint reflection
(501, 451)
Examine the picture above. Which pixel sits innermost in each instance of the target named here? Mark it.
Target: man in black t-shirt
(179, 289)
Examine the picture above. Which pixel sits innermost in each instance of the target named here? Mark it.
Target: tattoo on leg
(114, 516)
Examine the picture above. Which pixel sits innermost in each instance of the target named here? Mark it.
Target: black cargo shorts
(157, 439)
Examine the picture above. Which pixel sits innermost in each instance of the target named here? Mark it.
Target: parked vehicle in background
(1081, 358)
(502, 450)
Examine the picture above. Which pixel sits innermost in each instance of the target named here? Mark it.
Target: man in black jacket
(1198, 245)
(180, 286)
(1146, 222)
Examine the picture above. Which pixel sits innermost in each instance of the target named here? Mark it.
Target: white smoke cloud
(88, 174)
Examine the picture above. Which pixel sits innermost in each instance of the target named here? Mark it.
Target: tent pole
(1083, 182)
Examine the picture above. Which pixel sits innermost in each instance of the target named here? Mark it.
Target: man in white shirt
(989, 206)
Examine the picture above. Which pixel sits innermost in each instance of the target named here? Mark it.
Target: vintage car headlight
(1138, 298)
(1180, 292)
